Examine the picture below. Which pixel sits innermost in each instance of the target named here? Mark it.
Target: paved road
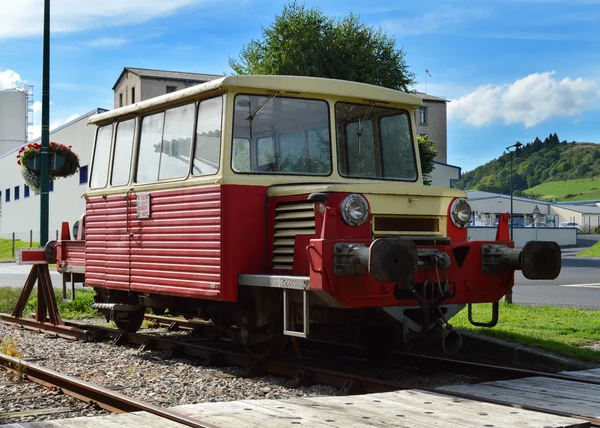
(578, 284)
(12, 275)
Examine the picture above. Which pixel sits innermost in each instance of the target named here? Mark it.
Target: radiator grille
(291, 219)
(400, 225)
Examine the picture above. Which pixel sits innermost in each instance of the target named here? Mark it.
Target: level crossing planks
(576, 399)
(414, 409)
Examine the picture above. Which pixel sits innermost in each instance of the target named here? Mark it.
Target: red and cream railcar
(279, 205)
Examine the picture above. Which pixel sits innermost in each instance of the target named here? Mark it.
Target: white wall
(65, 202)
(522, 235)
(13, 121)
(443, 174)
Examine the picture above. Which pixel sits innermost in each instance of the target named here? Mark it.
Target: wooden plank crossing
(575, 399)
(414, 409)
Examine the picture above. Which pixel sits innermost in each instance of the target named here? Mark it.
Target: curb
(517, 355)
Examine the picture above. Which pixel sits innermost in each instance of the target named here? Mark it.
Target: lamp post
(45, 161)
(516, 147)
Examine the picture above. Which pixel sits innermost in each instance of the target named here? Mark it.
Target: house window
(51, 186)
(7, 195)
(17, 193)
(171, 89)
(121, 99)
(25, 191)
(133, 95)
(83, 175)
(423, 116)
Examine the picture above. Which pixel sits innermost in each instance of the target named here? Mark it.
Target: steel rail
(64, 331)
(481, 369)
(300, 373)
(85, 391)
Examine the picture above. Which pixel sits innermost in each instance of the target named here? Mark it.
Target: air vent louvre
(291, 219)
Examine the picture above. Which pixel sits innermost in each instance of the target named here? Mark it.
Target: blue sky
(512, 69)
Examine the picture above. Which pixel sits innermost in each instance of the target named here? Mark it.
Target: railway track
(85, 391)
(302, 372)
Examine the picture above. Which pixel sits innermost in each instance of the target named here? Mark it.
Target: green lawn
(593, 251)
(563, 331)
(77, 309)
(6, 248)
(567, 190)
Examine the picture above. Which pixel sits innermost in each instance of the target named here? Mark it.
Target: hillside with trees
(535, 163)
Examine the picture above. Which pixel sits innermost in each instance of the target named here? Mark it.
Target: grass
(593, 251)
(567, 190)
(6, 248)
(564, 331)
(76, 309)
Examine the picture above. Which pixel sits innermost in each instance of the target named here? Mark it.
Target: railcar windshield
(374, 142)
(278, 135)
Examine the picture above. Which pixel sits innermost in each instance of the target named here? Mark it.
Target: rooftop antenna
(426, 74)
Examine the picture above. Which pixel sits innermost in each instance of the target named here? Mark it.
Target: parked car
(571, 224)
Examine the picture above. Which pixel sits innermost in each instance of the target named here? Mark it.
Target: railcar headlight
(355, 209)
(461, 212)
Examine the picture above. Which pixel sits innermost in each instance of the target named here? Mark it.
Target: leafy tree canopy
(535, 163)
(305, 42)
(427, 153)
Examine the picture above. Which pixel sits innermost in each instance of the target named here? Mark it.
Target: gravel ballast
(147, 376)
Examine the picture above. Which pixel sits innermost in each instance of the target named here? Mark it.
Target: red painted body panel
(176, 251)
(71, 253)
(198, 240)
(180, 249)
(471, 285)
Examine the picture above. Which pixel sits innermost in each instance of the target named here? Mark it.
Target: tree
(427, 153)
(305, 42)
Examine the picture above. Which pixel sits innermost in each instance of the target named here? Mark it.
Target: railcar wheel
(268, 348)
(158, 311)
(129, 321)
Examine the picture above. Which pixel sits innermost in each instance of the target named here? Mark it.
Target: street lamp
(516, 147)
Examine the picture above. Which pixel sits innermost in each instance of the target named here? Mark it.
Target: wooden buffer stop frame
(46, 304)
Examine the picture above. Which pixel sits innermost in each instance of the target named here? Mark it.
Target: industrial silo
(13, 119)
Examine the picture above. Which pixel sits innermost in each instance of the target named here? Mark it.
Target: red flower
(18, 162)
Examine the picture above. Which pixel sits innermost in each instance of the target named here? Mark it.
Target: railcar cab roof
(285, 85)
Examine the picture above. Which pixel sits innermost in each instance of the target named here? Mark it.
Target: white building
(20, 206)
(488, 206)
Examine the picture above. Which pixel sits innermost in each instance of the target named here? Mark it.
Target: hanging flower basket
(63, 162)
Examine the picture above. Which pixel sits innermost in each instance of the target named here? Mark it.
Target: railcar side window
(375, 142)
(208, 137)
(165, 144)
(177, 142)
(282, 135)
(122, 156)
(101, 157)
(150, 145)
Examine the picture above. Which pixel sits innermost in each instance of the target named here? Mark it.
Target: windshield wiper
(257, 110)
(362, 127)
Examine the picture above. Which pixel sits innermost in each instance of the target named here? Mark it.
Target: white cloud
(8, 78)
(530, 100)
(37, 106)
(26, 17)
(107, 42)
